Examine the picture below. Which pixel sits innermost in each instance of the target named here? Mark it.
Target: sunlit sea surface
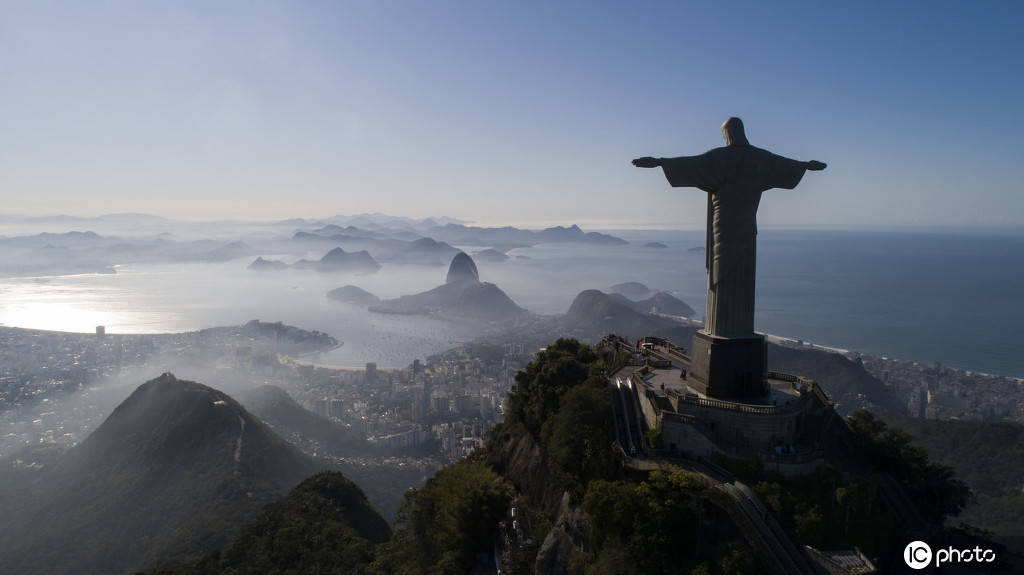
(955, 299)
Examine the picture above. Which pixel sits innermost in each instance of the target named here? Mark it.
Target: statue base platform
(729, 368)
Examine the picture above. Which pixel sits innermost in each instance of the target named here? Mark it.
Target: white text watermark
(918, 555)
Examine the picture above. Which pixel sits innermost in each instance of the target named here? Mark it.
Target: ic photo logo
(917, 555)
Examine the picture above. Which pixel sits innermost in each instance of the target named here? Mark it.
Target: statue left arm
(703, 172)
(786, 173)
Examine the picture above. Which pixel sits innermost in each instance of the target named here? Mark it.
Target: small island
(491, 255)
(353, 295)
(260, 264)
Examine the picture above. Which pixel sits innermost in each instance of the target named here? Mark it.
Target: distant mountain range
(461, 234)
(88, 252)
(97, 245)
(491, 255)
(433, 245)
(336, 260)
(260, 264)
(644, 299)
(448, 230)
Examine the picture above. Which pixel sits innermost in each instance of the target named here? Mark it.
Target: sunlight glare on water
(78, 304)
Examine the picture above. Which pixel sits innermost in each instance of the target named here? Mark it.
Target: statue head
(732, 131)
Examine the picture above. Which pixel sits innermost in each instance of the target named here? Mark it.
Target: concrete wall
(793, 469)
(706, 428)
(679, 434)
(741, 429)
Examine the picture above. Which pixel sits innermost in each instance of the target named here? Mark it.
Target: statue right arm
(647, 162)
(691, 172)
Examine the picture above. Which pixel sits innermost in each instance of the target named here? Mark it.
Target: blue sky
(508, 112)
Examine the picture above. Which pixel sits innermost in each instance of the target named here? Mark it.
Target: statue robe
(734, 177)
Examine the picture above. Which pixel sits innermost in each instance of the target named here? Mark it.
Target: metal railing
(733, 406)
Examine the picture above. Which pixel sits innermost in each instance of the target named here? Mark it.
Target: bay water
(954, 298)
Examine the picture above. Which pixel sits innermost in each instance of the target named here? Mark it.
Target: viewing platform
(652, 391)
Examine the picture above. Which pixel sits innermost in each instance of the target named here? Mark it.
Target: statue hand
(647, 162)
(816, 166)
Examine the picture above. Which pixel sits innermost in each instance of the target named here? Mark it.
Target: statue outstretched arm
(647, 162)
(784, 173)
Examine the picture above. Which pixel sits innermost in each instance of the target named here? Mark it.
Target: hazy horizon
(603, 226)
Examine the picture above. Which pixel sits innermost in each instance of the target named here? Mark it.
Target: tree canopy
(933, 486)
(444, 524)
(539, 388)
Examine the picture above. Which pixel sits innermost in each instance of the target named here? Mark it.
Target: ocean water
(957, 299)
(954, 299)
(949, 298)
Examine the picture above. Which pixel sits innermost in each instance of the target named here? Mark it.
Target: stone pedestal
(729, 368)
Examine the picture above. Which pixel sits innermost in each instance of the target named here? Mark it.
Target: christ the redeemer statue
(734, 177)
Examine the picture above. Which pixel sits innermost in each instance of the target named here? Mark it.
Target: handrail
(682, 357)
(732, 406)
(782, 376)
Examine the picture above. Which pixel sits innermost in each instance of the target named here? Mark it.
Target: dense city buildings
(939, 392)
(56, 387)
(442, 406)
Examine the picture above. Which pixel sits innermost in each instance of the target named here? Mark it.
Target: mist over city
(582, 288)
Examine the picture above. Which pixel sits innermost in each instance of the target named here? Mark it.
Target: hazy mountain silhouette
(393, 246)
(228, 251)
(643, 299)
(573, 233)
(276, 408)
(260, 264)
(462, 269)
(457, 233)
(425, 251)
(353, 295)
(172, 472)
(461, 296)
(491, 255)
(632, 290)
(311, 237)
(338, 260)
(333, 230)
(664, 303)
(594, 312)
